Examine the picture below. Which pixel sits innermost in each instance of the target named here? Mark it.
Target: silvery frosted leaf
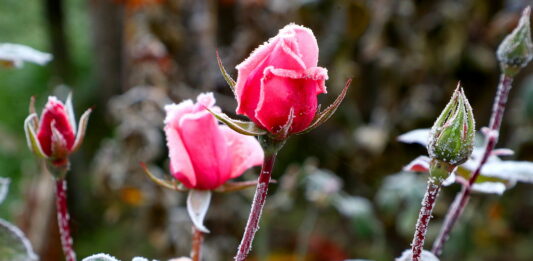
(100, 257)
(321, 184)
(521, 171)
(16, 55)
(352, 206)
(489, 187)
(137, 258)
(197, 206)
(426, 256)
(420, 164)
(4, 187)
(14, 246)
(418, 136)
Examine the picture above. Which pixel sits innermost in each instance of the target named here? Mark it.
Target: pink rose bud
(54, 136)
(280, 80)
(203, 154)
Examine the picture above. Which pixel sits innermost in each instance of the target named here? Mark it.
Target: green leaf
(14, 246)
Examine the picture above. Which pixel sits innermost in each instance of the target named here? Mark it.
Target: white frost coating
(4, 187)
(418, 136)
(521, 171)
(31, 256)
(489, 187)
(138, 258)
(352, 206)
(426, 256)
(100, 257)
(197, 206)
(18, 54)
(262, 188)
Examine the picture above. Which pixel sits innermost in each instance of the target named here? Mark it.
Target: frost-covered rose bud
(279, 83)
(516, 50)
(452, 137)
(55, 135)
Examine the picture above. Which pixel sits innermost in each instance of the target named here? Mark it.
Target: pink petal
(180, 163)
(54, 111)
(207, 149)
(282, 90)
(307, 43)
(245, 151)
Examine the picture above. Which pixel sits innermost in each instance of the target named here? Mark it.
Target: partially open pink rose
(281, 75)
(55, 127)
(203, 154)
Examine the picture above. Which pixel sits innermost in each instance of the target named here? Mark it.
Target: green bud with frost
(516, 50)
(451, 139)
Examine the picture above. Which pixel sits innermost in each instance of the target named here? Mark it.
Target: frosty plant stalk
(277, 89)
(514, 53)
(53, 138)
(451, 144)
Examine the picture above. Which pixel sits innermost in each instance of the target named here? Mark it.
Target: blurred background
(340, 191)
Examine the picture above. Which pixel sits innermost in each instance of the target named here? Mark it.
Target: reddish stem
(197, 240)
(63, 219)
(423, 218)
(461, 200)
(257, 207)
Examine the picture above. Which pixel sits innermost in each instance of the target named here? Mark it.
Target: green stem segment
(438, 172)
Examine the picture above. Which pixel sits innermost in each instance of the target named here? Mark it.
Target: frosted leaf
(4, 186)
(521, 171)
(426, 256)
(420, 164)
(137, 258)
(16, 55)
(321, 185)
(197, 206)
(489, 187)
(14, 246)
(100, 257)
(418, 136)
(352, 206)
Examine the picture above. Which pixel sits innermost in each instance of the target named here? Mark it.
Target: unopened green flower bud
(516, 50)
(452, 136)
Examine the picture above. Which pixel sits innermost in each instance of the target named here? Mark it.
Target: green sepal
(227, 77)
(174, 184)
(31, 137)
(324, 115)
(242, 127)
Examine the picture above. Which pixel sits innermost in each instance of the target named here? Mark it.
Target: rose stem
(461, 200)
(197, 240)
(423, 218)
(63, 219)
(257, 206)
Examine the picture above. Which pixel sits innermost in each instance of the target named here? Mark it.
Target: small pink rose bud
(278, 83)
(54, 136)
(203, 154)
